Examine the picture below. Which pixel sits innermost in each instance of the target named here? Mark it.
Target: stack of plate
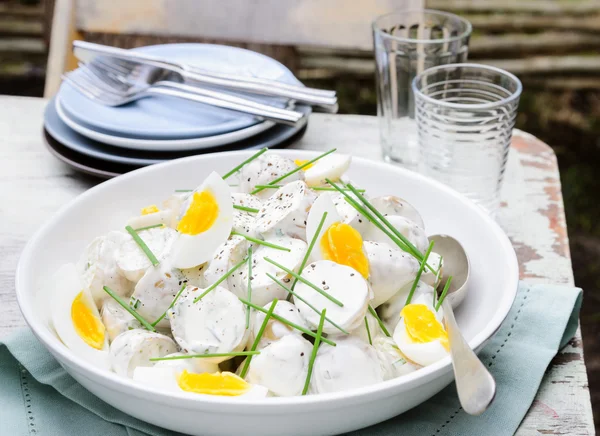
(108, 141)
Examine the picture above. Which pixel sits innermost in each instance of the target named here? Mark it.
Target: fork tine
(105, 70)
(106, 83)
(90, 89)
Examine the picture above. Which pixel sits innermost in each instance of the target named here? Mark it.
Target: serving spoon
(475, 385)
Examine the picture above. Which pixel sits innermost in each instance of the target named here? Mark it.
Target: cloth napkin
(40, 398)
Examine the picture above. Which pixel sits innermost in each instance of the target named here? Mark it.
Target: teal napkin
(40, 398)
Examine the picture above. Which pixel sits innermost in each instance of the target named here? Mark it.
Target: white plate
(163, 144)
(493, 284)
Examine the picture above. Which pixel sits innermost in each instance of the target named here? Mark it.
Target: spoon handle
(474, 383)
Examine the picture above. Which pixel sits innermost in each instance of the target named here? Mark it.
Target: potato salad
(278, 278)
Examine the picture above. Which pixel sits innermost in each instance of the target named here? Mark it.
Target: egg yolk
(343, 244)
(422, 326)
(201, 214)
(301, 162)
(150, 209)
(219, 383)
(87, 324)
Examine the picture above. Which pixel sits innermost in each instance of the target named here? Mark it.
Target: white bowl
(106, 207)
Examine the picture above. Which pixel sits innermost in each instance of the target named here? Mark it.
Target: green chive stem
(325, 188)
(384, 220)
(370, 217)
(170, 305)
(306, 282)
(286, 322)
(313, 355)
(249, 286)
(184, 190)
(444, 293)
(295, 170)
(129, 309)
(250, 159)
(288, 290)
(220, 280)
(379, 321)
(142, 245)
(268, 186)
(206, 356)
(245, 208)
(263, 326)
(261, 242)
(419, 272)
(148, 227)
(368, 331)
(310, 247)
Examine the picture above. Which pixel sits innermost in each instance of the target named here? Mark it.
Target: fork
(135, 63)
(105, 91)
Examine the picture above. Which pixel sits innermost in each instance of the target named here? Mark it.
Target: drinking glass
(406, 43)
(465, 116)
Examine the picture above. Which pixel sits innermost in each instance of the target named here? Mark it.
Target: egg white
(332, 167)
(420, 353)
(192, 250)
(67, 285)
(116, 319)
(415, 234)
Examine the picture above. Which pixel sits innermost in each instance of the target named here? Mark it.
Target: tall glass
(406, 43)
(465, 115)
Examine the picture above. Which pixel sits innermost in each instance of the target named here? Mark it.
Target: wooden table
(33, 185)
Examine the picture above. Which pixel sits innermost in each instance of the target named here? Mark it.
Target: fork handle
(327, 104)
(282, 116)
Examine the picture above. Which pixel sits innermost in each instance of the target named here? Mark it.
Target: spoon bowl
(456, 264)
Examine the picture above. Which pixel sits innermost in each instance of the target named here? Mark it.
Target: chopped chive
(206, 356)
(129, 309)
(250, 159)
(246, 209)
(368, 331)
(310, 247)
(419, 272)
(306, 282)
(263, 326)
(369, 216)
(220, 280)
(314, 188)
(399, 360)
(295, 170)
(170, 305)
(249, 286)
(184, 190)
(444, 292)
(384, 220)
(286, 322)
(379, 321)
(439, 271)
(268, 186)
(281, 285)
(261, 242)
(148, 227)
(142, 245)
(313, 355)
(134, 302)
(325, 188)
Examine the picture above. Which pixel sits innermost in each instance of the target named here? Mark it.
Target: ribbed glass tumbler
(406, 43)
(465, 115)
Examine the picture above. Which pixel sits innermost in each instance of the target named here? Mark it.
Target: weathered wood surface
(33, 185)
(335, 23)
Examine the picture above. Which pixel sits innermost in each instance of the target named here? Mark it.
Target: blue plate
(159, 117)
(277, 136)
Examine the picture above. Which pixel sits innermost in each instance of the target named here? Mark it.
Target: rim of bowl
(514, 96)
(189, 401)
(468, 26)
